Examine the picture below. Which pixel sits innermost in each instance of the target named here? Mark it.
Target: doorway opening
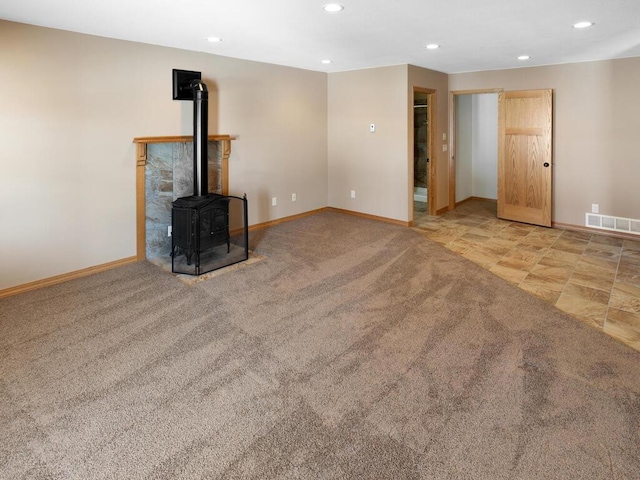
(473, 168)
(424, 166)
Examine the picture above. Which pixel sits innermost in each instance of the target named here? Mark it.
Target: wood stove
(202, 238)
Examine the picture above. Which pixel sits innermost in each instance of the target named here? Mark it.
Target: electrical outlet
(372, 127)
(353, 194)
(274, 201)
(444, 147)
(595, 208)
(169, 230)
(293, 197)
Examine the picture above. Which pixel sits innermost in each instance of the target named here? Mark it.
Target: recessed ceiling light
(326, 62)
(524, 57)
(582, 24)
(332, 7)
(214, 39)
(433, 46)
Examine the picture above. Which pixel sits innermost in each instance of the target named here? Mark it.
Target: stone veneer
(169, 175)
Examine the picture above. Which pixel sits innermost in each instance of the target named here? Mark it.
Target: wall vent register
(615, 224)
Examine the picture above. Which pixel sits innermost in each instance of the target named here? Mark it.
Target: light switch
(444, 137)
(444, 147)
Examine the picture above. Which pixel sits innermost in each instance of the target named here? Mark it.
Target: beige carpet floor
(353, 350)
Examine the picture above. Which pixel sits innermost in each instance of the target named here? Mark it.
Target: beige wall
(379, 166)
(596, 131)
(372, 164)
(424, 78)
(71, 105)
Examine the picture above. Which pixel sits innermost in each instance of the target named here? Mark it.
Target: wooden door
(524, 156)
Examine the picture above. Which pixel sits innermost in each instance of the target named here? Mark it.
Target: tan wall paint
(71, 105)
(373, 164)
(425, 78)
(68, 138)
(596, 129)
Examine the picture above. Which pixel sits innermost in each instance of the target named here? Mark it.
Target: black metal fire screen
(209, 232)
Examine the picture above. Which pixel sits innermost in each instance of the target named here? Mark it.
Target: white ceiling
(473, 34)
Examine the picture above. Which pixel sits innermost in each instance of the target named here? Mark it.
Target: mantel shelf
(179, 138)
(142, 142)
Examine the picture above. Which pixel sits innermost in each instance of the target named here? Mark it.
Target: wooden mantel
(141, 162)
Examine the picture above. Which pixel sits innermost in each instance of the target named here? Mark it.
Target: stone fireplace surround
(164, 172)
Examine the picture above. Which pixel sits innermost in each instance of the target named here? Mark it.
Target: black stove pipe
(200, 137)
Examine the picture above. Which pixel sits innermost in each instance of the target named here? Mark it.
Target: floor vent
(615, 224)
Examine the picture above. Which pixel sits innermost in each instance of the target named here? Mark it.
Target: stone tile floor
(591, 276)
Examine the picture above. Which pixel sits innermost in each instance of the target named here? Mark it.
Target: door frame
(452, 136)
(432, 169)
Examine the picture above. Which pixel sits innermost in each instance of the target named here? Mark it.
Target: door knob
(545, 164)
